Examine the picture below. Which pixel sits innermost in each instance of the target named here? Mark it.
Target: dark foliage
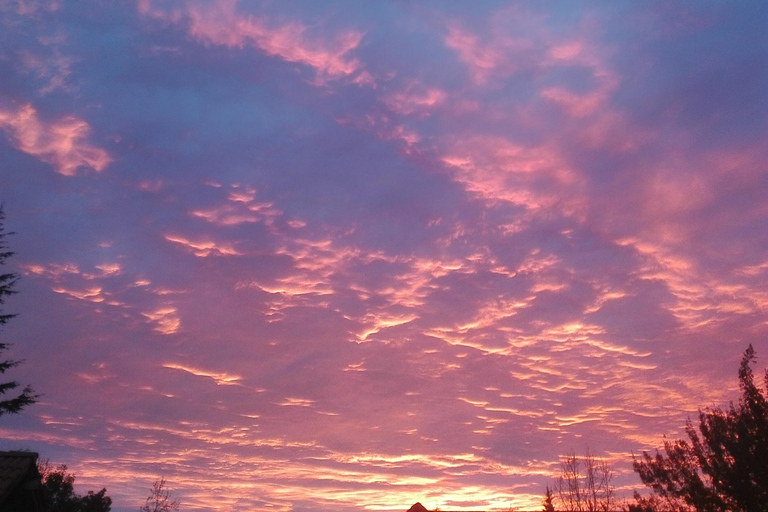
(7, 281)
(59, 494)
(724, 466)
(95, 502)
(653, 503)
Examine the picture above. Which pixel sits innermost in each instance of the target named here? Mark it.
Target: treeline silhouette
(722, 466)
(57, 494)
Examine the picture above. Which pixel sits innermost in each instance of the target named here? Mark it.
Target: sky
(312, 256)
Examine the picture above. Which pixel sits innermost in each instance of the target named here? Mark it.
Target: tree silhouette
(725, 467)
(59, 495)
(159, 499)
(584, 485)
(654, 503)
(547, 503)
(7, 283)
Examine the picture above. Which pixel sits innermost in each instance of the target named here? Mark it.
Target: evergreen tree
(724, 466)
(7, 282)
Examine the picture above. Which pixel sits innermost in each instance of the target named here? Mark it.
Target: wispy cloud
(204, 248)
(61, 143)
(165, 319)
(481, 59)
(219, 378)
(415, 99)
(221, 23)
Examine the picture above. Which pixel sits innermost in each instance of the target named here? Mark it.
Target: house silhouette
(20, 486)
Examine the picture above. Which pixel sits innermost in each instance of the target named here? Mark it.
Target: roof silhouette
(19, 481)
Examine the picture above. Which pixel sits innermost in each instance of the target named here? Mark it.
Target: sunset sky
(342, 255)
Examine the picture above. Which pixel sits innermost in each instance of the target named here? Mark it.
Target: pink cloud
(29, 7)
(566, 51)
(509, 43)
(240, 208)
(499, 170)
(55, 69)
(701, 299)
(504, 53)
(60, 143)
(220, 23)
(577, 105)
(481, 59)
(383, 127)
(415, 99)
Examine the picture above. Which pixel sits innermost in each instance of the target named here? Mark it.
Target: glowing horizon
(331, 256)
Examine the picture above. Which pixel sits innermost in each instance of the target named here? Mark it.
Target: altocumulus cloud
(332, 256)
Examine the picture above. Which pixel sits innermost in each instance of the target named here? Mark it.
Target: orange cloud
(53, 270)
(109, 269)
(204, 248)
(91, 294)
(221, 379)
(165, 318)
(60, 143)
(297, 402)
(377, 322)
